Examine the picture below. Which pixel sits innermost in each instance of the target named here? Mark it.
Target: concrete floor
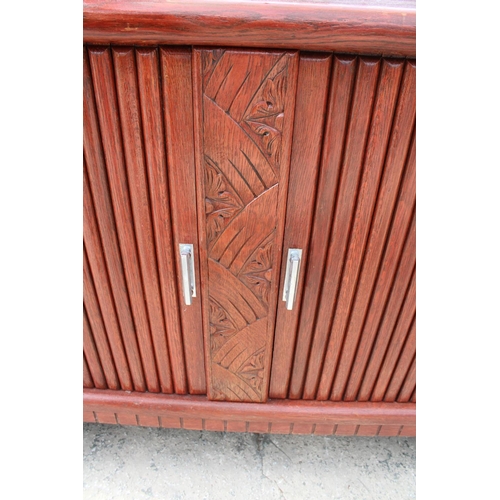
(143, 463)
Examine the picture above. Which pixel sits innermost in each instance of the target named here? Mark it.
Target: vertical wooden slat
(312, 86)
(96, 191)
(107, 109)
(87, 377)
(178, 117)
(406, 392)
(413, 398)
(393, 306)
(96, 326)
(152, 121)
(364, 95)
(397, 376)
(131, 125)
(380, 129)
(394, 348)
(299, 428)
(387, 262)
(340, 95)
(214, 425)
(88, 416)
(91, 354)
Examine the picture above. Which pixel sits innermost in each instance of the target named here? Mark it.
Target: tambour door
(350, 335)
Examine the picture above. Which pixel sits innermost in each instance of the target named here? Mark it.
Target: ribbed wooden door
(351, 334)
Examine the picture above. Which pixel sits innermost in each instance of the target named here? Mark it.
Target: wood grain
(376, 280)
(393, 306)
(244, 116)
(341, 347)
(145, 269)
(311, 100)
(277, 411)
(177, 93)
(107, 109)
(340, 96)
(90, 353)
(149, 81)
(87, 377)
(407, 392)
(363, 99)
(353, 27)
(402, 328)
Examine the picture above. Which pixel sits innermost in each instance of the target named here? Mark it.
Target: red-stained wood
(312, 87)
(343, 26)
(170, 422)
(194, 424)
(107, 110)
(126, 419)
(304, 412)
(149, 81)
(341, 344)
(408, 430)
(341, 88)
(408, 390)
(99, 226)
(90, 352)
(324, 429)
(244, 108)
(413, 398)
(148, 421)
(346, 430)
(360, 116)
(88, 383)
(89, 416)
(366, 315)
(300, 428)
(236, 426)
(104, 417)
(403, 331)
(394, 303)
(131, 127)
(368, 430)
(260, 427)
(389, 430)
(176, 87)
(280, 428)
(214, 425)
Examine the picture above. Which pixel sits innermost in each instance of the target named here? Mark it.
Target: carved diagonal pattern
(243, 120)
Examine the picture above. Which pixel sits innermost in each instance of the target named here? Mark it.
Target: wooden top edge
(382, 27)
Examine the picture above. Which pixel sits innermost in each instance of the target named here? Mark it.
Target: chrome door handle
(187, 266)
(291, 276)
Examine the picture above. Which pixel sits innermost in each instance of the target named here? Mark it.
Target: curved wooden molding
(193, 412)
(384, 27)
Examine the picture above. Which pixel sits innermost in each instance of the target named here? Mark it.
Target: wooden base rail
(276, 416)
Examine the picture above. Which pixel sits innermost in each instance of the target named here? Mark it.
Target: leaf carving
(252, 371)
(222, 328)
(266, 116)
(221, 205)
(257, 273)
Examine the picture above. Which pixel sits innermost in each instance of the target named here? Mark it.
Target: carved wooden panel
(244, 107)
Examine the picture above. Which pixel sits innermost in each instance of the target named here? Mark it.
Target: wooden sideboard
(249, 215)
